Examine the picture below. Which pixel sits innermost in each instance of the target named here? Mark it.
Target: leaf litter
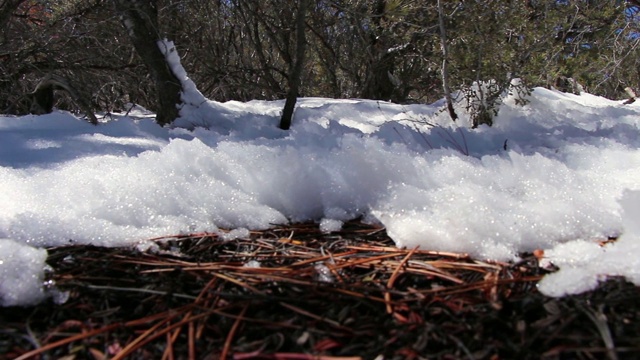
(296, 292)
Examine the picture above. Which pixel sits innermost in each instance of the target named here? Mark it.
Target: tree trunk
(378, 84)
(7, 7)
(445, 60)
(296, 70)
(140, 18)
(42, 98)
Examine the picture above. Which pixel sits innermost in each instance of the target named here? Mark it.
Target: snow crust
(21, 273)
(550, 175)
(583, 264)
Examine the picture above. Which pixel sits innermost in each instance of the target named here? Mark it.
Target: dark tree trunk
(296, 70)
(378, 84)
(42, 98)
(445, 62)
(7, 8)
(140, 18)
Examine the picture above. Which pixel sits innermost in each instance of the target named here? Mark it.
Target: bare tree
(140, 18)
(445, 62)
(378, 84)
(296, 69)
(41, 99)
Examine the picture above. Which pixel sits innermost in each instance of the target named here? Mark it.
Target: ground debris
(295, 292)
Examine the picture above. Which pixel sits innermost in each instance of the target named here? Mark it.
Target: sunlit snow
(549, 175)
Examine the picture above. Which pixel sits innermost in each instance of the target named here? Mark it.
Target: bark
(42, 98)
(140, 18)
(378, 84)
(7, 8)
(445, 60)
(296, 70)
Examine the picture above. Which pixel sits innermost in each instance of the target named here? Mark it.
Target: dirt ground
(297, 293)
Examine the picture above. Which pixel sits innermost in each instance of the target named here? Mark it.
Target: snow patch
(21, 273)
(547, 175)
(584, 264)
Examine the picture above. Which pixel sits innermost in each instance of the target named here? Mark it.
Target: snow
(584, 264)
(21, 273)
(559, 174)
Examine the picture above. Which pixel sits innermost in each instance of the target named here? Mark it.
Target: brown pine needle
(182, 301)
(192, 340)
(148, 336)
(168, 351)
(66, 341)
(237, 282)
(313, 316)
(403, 251)
(394, 276)
(132, 345)
(227, 343)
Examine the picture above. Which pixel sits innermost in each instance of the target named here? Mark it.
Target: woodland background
(380, 49)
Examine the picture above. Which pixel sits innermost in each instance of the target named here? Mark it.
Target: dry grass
(309, 295)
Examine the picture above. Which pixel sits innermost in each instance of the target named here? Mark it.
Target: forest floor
(296, 293)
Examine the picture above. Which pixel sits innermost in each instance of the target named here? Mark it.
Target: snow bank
(546, 176)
